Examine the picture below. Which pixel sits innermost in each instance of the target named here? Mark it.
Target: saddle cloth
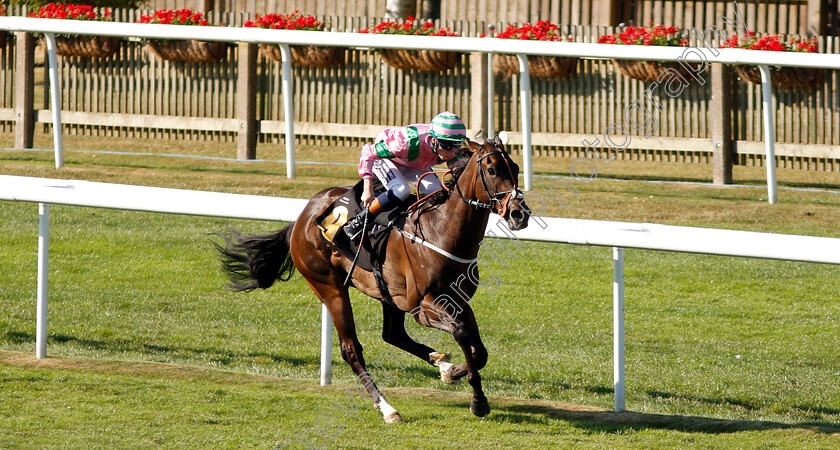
(345, 208)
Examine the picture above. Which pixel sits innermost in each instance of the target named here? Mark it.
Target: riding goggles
(449, 145)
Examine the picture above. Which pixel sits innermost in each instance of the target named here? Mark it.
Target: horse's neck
(456, 226)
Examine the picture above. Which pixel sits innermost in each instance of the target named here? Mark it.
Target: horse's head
(495, 183)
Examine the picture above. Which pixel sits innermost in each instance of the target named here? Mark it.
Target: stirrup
(356, 226)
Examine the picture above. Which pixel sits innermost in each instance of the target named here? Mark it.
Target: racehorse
(420, 278)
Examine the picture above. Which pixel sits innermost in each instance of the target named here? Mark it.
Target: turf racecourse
(148, 350)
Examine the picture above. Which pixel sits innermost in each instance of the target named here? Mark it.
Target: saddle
(371, 256)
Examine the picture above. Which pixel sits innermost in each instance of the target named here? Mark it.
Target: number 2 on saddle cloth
(343, 210)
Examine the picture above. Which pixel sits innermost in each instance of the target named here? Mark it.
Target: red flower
(543, 30)
(70, 11)
(409, 27)
(173, 17)
(772, 42)
(294, 21)
(655, 35)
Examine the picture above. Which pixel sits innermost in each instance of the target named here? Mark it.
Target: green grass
(147, 349)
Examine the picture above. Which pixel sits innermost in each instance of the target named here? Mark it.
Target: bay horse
(420, 279)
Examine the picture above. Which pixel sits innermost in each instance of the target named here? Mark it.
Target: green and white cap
(448, 127)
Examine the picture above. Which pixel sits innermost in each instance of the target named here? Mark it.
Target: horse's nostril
(517, 215)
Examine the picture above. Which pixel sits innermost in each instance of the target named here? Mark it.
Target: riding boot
(355, 227)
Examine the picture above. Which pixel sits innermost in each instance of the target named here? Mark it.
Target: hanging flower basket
(656, 35)
(190, 51)
(538, 66)
(422, 60)
(306, 55)
(80, 46)
(302, 55)
(650, 70)
(784, 77)
(87, 46)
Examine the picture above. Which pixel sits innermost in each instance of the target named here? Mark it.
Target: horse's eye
(491, 171)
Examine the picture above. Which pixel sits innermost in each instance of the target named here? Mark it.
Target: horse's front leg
(465, 331)
(467, 336)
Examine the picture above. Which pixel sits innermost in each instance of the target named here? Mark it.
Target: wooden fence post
(720, 118)
(605, 13)
(816, 17)
(478, 93)
(205, 5)
(24, 89)
(246, 102)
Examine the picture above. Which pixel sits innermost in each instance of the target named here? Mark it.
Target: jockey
(401, 155)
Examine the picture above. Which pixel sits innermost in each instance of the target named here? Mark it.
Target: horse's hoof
(479, 408)
(442, 362)
(447, 378)
(394, 417)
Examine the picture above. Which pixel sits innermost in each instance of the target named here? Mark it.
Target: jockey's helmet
(448, 127)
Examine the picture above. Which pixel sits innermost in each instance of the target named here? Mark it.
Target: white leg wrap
(441, 360)
(389, 414)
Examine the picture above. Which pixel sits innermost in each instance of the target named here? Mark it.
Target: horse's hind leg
(394, 333)
(337, 301)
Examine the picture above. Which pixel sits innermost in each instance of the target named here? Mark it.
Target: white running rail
(618, 235)
(284, 38)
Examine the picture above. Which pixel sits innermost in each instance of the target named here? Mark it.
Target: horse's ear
(497, 142)
(471, 146)
(481, 137)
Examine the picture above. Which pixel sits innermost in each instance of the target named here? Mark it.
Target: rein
(426, 198)
(498, 201)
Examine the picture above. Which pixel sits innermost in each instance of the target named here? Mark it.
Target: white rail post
(326, 346)
(43, 280)
(491, 97)
(769, 132)
(618, 327)
(525, 103)
(288, 110)
(55, 99)
(491, 88)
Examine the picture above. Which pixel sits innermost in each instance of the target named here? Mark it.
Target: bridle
(498, 201)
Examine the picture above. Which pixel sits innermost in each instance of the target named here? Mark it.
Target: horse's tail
(256, 261)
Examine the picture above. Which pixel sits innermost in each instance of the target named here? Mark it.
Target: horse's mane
(443, 194)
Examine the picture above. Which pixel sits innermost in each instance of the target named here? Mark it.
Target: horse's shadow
(124, 345)
(618, 422)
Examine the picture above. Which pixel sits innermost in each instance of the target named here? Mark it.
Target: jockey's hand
(367, 192)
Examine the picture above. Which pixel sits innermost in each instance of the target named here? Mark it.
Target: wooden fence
(136, 94)
(7, 82)
(766, 16)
